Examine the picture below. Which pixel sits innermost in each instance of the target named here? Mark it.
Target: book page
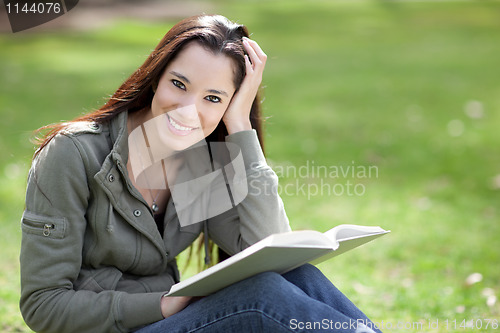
(351, 231)
(308, 238)
(350, 237)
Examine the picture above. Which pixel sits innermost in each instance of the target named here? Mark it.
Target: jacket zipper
(46, 227)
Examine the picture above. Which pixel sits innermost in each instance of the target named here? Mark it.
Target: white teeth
(177, 126)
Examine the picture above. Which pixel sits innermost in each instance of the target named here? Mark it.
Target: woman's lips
(177, 128)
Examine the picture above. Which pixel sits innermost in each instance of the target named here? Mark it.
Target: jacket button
(111, 178)
(94, 126)
(137, 213)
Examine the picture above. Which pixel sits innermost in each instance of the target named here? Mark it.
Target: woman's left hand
(237, 116)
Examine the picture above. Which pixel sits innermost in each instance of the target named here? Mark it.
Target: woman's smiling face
(192, 95)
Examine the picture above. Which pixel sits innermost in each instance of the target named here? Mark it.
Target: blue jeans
(302, 300)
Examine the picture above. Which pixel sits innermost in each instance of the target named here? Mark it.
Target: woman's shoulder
(86, 133)
(82, 127)
(83, 138)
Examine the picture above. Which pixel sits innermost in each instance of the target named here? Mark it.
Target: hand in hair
(237, 115)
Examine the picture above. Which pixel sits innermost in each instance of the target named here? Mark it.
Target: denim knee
(263, 284)
(304, 271)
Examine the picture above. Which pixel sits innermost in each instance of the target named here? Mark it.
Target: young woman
(101, 229)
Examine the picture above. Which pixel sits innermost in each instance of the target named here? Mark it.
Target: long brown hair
(214, 32)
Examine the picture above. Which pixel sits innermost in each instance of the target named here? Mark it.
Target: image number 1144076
(36, 8)
(28, 14)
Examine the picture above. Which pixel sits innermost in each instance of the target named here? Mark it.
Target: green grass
(410, 88)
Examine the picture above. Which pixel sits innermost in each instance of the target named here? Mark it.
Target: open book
(277, 253)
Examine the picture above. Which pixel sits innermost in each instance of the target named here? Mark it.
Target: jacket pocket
(45, 226)
(99, 279)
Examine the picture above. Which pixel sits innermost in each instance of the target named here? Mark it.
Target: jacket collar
(119, 137)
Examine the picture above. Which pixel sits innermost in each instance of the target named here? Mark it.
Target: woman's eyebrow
(218, 92)
(180, 76)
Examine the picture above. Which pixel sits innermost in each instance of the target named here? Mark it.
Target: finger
(256, 49)
(248, 65)
(251, 52)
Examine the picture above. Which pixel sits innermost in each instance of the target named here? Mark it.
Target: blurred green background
(410, 89)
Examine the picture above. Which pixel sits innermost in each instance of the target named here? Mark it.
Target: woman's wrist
(238, 126)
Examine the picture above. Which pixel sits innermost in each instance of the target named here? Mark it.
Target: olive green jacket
(92, 258)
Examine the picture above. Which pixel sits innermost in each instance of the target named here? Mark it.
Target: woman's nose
(188, 115)
(189, 111)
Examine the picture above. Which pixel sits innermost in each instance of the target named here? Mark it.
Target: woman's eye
(213, 99)
(179, 84)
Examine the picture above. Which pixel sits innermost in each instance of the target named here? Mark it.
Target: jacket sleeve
(53, 229)
(262, 212)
